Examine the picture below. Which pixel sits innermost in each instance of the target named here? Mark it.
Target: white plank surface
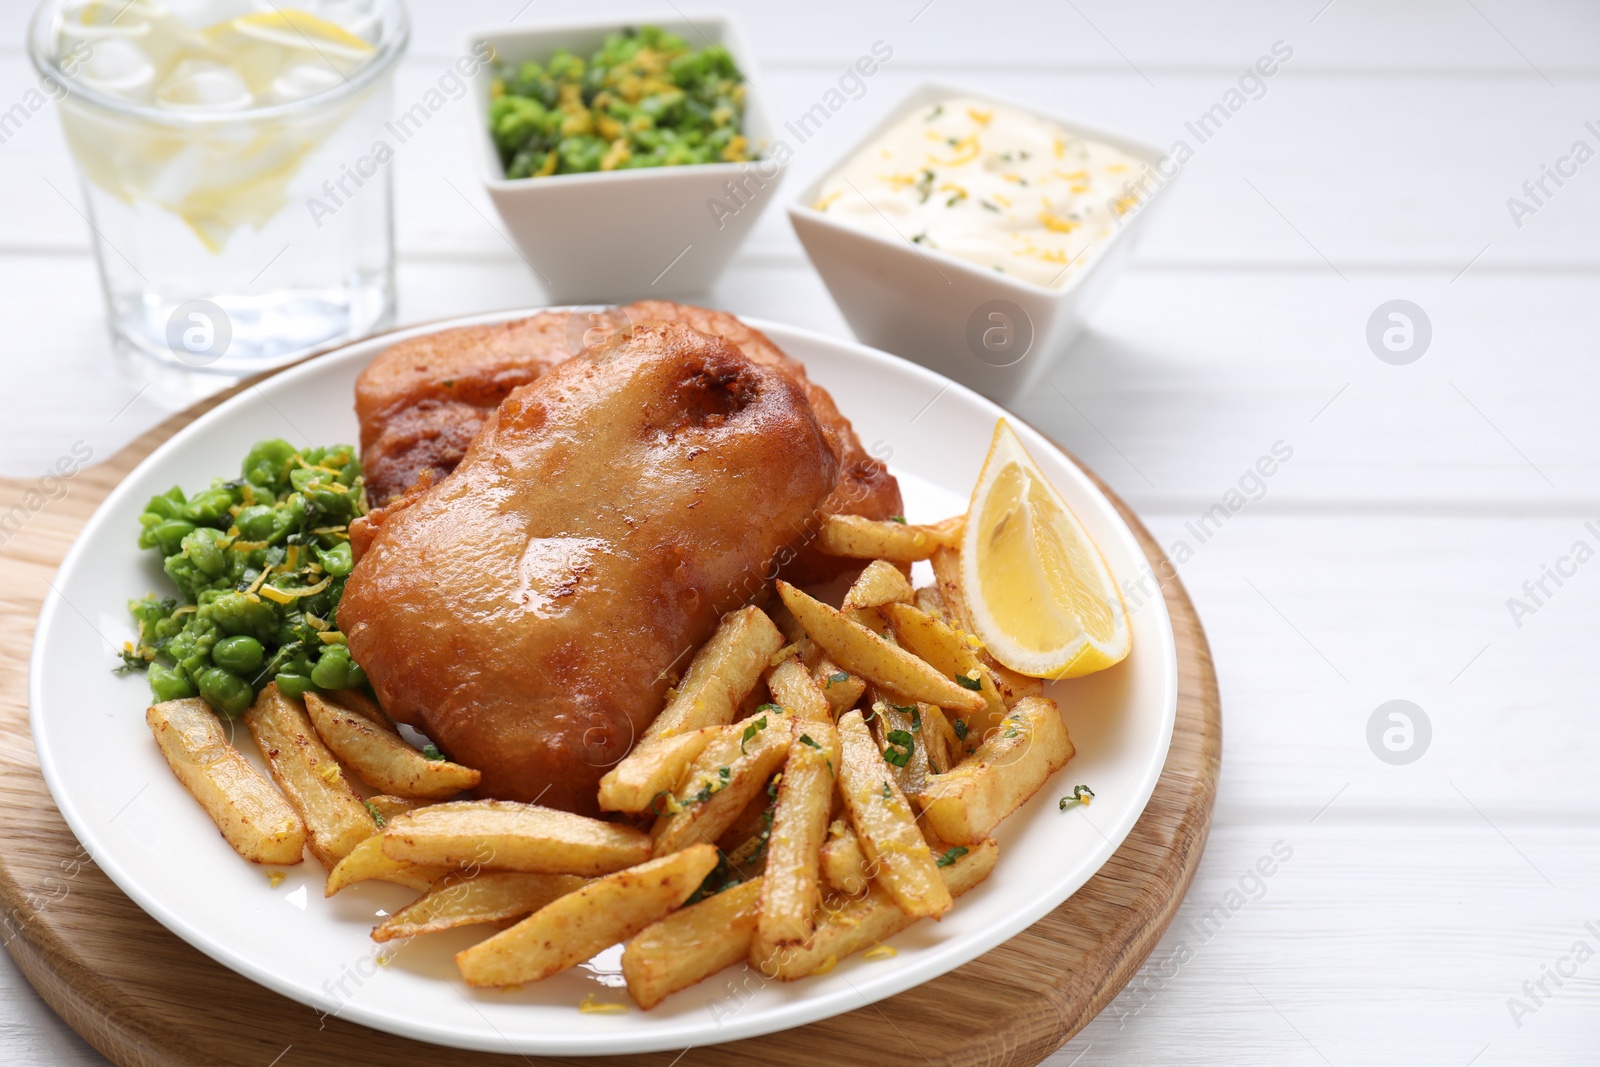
(1377, 563)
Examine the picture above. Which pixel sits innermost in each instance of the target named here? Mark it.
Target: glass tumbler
(235, 173)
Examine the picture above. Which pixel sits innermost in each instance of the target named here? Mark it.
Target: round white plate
(157, 845)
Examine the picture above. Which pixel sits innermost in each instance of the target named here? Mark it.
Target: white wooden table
(1422, 905)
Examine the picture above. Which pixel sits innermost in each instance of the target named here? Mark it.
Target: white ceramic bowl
(627, 234)
(995, 333)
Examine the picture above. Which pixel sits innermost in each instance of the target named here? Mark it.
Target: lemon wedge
(1042, 599)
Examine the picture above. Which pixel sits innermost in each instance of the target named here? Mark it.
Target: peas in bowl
(644, 98)
(625, 161)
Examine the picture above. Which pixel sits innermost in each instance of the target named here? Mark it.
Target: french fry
(947, 578)
(791, 889)
(843, 864)
(879, 584)
(381, 758)
(461, 899)
(573, 928)
(945, 749)
(927, 599)
(1013, 686)
(797, 692)
(948, 653)
(863, 652)
(855, 537)
(508, 836)
(850, 925)
(894, 848)
(946, 564)
(966, 803)
(367, 862)
(841, 687)
(691, 944)
(721, 674)
(387, 807)
(653, 767)
(309, 776)
(357, 701)
(755, 817)
(728, 774)
(785, 621)
(249, 811)
(901, 736)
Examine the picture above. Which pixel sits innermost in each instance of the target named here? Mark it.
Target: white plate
(157, 845)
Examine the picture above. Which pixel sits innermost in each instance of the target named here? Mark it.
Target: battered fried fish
(527, 612)
(421, 402)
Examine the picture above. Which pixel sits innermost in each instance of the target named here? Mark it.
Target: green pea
(168, 536)
(168, 684)
(256, 522)
(205, 551)
(210, 507)
(226, 692)
(337, 560)
(336, 507)
(333, 669)
(293, 686)
(241, 654)
(266, 461)
(237, 613)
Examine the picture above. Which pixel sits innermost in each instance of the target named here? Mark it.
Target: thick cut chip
(510, 836)
(721, 675)
(463, 899)
(863, 652)
(691, 944)
(895, 849)
(309, 775)
(570, 930)
(966, 803)
(249, 811)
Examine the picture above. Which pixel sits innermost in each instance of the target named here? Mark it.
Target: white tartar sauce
(990, 184)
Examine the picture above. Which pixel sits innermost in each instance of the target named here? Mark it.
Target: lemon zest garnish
(966, 150)
(880, 952)
(591, 1006)
(828, 964)
(329, 773)
(277, 596)
(782, 654)
(275, 878)
(260, 578)
(331, 637)
(980, 117)
(283, 596)
(825, 202)
(1055, 223)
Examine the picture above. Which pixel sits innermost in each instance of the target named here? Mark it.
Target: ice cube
(301, 80)
(203, 85)
(120, 67)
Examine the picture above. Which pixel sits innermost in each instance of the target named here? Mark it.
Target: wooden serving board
(144, 998)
